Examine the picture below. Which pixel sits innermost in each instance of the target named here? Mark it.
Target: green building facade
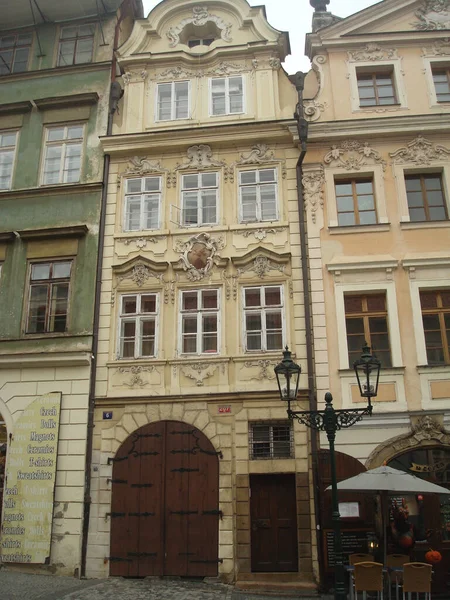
(56, 69)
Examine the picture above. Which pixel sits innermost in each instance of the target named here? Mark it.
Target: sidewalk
(24, 586)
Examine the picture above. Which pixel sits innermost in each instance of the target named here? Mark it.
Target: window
(258, 195)
(8, 140)
(138, 321)
(173, 101)
(376, 89)
(199, 193)
(355, 199)
(199, 321)
(441, 78)
(76, 45)
(63, 146)
(271, 440)
(142, 203)
(227, 95)
(14, 52)
(366, 321)
(263, 318)
(49, 297)
(425, 195)
(436, 325)
(200, 42)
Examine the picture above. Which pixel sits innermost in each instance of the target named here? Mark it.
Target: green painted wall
(41, 210)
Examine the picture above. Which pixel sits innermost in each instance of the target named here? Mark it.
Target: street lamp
(367, 369)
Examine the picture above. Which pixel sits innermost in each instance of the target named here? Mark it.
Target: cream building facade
(201, 291)
(376, 186)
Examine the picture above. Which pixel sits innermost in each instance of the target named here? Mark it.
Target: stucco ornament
(313, 182)
(419, 152)
(372, 52)
(134, 76)
(427, 431)
(140, 242)
(199, 371)
(439, 48)
(274, 63)
(261, 265)
(141, 166)
(200, 157)
(260, 234)
(265, 368)
(433, 14)
(314, 109)
(136, 375)
(352, 155)
(260, 154)
(200, 17)
(199, 254)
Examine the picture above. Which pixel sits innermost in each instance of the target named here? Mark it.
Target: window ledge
(424, 224)
(62, 188)
(15, 108)
(258, 225)
(347, 373)
(86, 99)
(142, 233)
(421, 369)
(342, 230)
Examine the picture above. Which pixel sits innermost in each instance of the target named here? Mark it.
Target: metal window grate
(271, 440)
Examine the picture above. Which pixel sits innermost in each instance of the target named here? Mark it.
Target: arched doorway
(3, 446)
(165, 503)
(430, 516)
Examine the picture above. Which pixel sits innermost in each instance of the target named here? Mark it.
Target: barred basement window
(271, 440)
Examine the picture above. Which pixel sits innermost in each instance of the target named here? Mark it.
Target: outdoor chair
(356, 558)
(417, 580)
(368, 577)
(396, 561)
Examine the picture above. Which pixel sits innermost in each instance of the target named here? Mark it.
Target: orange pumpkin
(433, 557)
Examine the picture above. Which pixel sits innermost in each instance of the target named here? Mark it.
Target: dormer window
(200, 42)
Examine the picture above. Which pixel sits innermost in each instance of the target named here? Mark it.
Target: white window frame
(199, 189)
(8, 149)
(227, 96)
(388, 287)
(258, 194)
(65, 142)
(172, 101)
(200, 312)
(129, 195)
(376, 173)
(429, 64)
(262, 310)
(400, 171)
(138, 318)
(372, 66)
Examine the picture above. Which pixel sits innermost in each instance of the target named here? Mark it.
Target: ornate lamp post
(367, 369)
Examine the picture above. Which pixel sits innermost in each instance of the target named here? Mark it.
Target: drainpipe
(302, 127)
(115, 94)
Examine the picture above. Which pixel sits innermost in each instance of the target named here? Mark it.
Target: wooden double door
(165, 503)
(273, 523)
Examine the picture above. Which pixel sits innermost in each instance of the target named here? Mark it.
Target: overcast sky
(295, 16)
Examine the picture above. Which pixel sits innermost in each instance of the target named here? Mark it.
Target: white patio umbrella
(387, 481)
(392, 481)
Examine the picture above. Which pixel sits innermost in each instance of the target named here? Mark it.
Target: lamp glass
(288, 376)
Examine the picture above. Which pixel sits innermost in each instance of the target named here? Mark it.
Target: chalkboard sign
(353, 540)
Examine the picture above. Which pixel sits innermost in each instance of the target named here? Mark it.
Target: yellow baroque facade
(376, 187)
(201, 291)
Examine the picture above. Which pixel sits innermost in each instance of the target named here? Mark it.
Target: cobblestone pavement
(23, 586)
